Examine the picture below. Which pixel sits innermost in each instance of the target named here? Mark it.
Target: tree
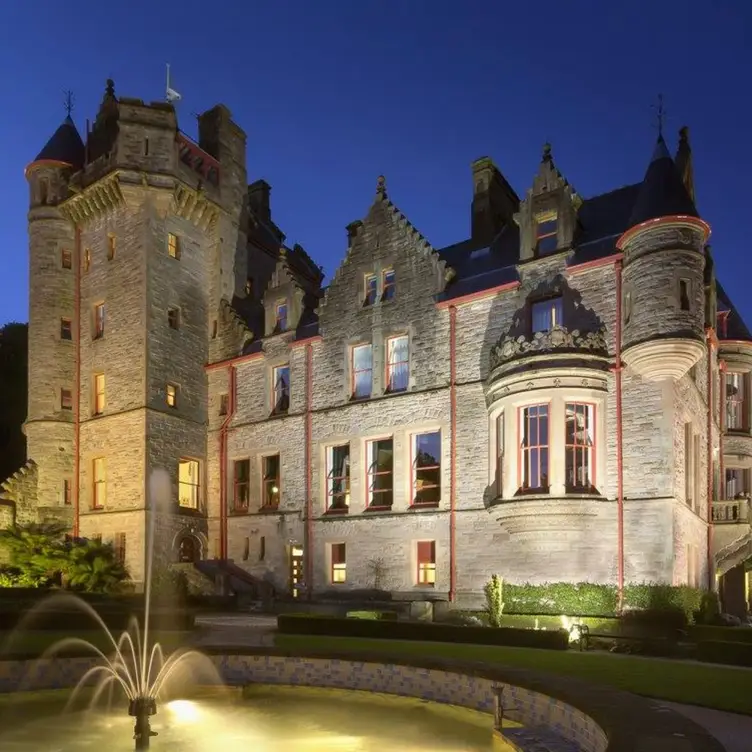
(36, 551)
(13, 397)
(92, 566)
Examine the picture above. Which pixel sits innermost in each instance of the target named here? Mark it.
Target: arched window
(188, 551)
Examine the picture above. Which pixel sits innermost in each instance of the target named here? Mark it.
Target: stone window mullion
(556, 454)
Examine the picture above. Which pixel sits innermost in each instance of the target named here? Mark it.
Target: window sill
(425, 585)
(190, 511)
(239, 512)
(390, 392)
(278, 414)
(269, 509)
(334, 512)
(378, 509)
(424, 505)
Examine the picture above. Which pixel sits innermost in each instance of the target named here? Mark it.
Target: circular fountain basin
(262, 718)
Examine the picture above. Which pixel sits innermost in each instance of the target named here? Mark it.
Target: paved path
(732, 730)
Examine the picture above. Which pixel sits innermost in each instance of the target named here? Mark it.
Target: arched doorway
(189, 550)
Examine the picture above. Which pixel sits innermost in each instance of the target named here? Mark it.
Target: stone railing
(731, 511)
(557, 340)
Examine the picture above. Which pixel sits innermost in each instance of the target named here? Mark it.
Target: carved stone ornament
(558, 338)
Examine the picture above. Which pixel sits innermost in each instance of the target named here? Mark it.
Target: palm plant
(36, 550)
(93, 567)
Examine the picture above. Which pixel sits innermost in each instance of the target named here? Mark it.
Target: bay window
(737, 483)
(579, 446)
(397, 363)
(338, 478)
(736, 401)
(380, 488)
(534, 448)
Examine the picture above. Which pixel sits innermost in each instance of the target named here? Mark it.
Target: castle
(564, 396)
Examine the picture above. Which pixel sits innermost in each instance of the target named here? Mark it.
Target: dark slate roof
(663, 192)
(64, 146)
(735, 326)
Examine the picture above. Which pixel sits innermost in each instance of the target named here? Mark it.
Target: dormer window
(546, 231)
(280, 316)
(388, 285)
(546, 314)
(371, 289)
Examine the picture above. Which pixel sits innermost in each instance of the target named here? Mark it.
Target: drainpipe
(722, 428)
(452, 454)
(77, 390)
(223, 462)
(308, 472)
(619, 443)
(710, 336)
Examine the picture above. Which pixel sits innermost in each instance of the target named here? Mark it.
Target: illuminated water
(263, 719)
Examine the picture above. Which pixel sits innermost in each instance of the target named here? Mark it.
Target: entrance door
(296, 571)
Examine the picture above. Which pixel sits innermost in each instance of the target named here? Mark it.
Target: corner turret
(664, 275)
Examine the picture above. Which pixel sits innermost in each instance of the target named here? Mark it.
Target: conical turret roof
(662, 193)
(64, 146)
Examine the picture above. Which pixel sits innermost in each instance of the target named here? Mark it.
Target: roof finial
(660, 112)
(547, 157)
(68, 102)
(381, 186)
(110, 90)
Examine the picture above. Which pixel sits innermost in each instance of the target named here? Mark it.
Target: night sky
(333, 93)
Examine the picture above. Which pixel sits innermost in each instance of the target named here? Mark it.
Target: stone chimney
(494, 202)
(258, 199)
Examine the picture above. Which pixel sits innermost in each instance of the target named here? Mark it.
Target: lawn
(688, 682)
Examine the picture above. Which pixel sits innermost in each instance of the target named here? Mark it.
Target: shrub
(702, 633)
(709, 611)
(494, 592)
(728, 653)
(668, 622)
(373, 615)
(421, 631)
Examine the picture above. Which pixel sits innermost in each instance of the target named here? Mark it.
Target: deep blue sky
(334, 92)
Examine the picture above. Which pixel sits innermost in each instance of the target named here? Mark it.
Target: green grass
(35, 642)
(677, 681)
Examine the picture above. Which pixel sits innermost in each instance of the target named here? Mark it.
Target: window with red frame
(242, 485)
(371, 289)
(534, 448)
(427, 563)
(736, 401)
(737, 483)
(388, 285)
(397, 363)
(281, 395)
(427, 468)
(500, 455)
(578, 446)
(546, 230)
(380, 455)
(362, 371)
(270, 482)
(280, 324)
(338, 573)
(338, 478)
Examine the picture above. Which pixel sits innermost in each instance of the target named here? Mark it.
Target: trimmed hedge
(373, 615)
(591, 599)
(728, 653)
(702, 633)
(422, 631)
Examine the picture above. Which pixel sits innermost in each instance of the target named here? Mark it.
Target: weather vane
(661, 113)
(68, 102)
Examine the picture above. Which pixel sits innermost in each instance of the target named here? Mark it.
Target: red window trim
(275, 381)
(388, 286)
(366, 279)
(743, 402)
(353, 372)
(239, 506)
(331, 478)
(67, 498)
(593, 455)
(431, 560)
(336, 560)
(723, 317)
(369, 475)
(266, 481)
(413, 459)
(388, 365)
(521, 449)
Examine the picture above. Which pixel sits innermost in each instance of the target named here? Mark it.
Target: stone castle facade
(561, 397)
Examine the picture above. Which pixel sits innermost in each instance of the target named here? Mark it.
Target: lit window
(66, 399)
(546, 314)
(500, 455)
(87, 259)
(338, 478)
(224, 404)
(99, 393)
(188, 484)
(281, 393)
(397, 363)
(172, 395)
(362, 371)
(67, 492)
(173, 318)
(66, 329)
(534, 447)
(111, 245)
(371, 289)
(737, 483)
(427, 468)
(684, 294)
(426, 562)
(578, 446)
(242, 488)
(119, 546)
(736, 402)
(173, 245)
(270, 489)
(339, 563)
(380, 473)
(99, 485)
(388, 285)
(66, 259)
(280, 320)
(546, 230)
(99, 312)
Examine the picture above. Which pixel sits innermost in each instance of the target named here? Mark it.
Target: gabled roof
(735, 326)
(65, 145)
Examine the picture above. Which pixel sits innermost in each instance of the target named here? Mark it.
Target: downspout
(77, 395)
(711, 574)
(619, 443)
(223, 462)
(722, 429)
(452, 454)
(308, 472)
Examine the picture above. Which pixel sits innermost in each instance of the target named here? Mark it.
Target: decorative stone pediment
(559, 340)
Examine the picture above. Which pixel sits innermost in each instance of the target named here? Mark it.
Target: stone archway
(189, 549)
